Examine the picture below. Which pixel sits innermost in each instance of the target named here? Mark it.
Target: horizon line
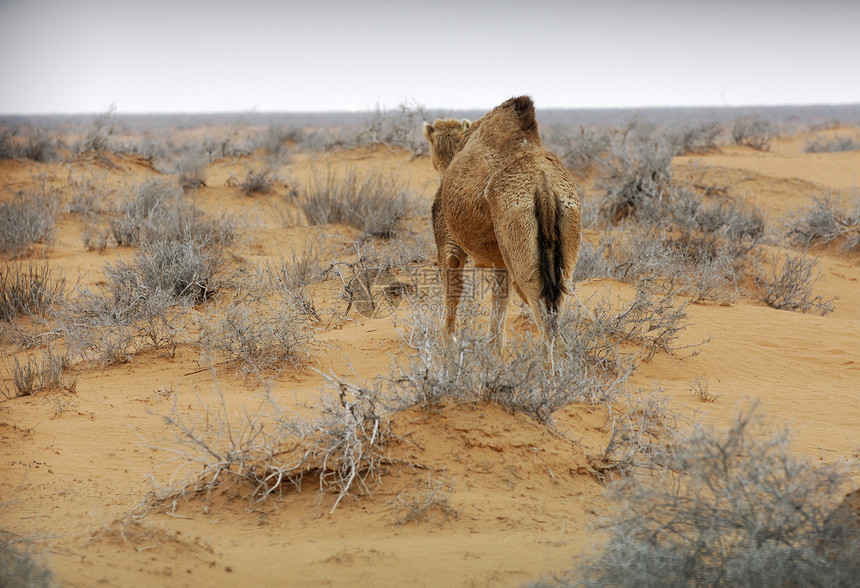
(119, 112)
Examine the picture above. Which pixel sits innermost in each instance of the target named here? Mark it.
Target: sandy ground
(518, 504)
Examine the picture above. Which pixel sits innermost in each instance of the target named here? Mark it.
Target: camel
(510, 205)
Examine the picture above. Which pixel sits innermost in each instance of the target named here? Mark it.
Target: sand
(513, 502)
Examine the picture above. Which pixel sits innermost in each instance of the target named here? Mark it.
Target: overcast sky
(314, 55)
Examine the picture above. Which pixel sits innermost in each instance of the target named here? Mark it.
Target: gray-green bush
(29, 217)
(788, 282)
(727, 509)
(158, 211)
(829, 218)
(835, 145)
(375, 203)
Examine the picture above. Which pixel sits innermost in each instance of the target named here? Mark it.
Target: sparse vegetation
(29, 217)
(142, 302)
(258, 181)
(787, 283)
(39, 374)
(836, 145)
(400, 127)
(375, 203)
(418, 429)
(38, 145)
(259, 339)
(27, 288)
(728, 509)
(98, 135)
(828, 219)
(158, 211)
(752, 132)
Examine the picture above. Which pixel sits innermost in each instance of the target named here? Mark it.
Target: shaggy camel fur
(507, 203)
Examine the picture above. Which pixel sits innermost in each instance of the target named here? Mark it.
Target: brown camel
(507, 203)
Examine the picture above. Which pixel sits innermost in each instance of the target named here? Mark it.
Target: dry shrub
(727, 509)
(143, 302)
(635, 170)
(343, 449)
(425, 503)
(585, 362)
(696, 138)
(836, 145)
(259, 180)
(829, 218)
(788, 284)
(98, 135)
(158, 211)
(40, 374)
(28, 288)
(374, 203)
(258, 338)
(752, 132)
(29, 217)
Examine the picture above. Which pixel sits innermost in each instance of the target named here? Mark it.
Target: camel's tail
(548, 209)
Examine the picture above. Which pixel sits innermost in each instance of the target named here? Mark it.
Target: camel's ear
(465, 124)
(428, 131)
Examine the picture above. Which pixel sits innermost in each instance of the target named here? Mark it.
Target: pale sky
(323, 55)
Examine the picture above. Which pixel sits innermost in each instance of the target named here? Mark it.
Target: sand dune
(507, 500)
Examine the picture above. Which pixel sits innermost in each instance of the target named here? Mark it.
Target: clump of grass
(699, 388)
(183, 269)
(292, 277)
(727, 509)
(109, 326)
(27, 288)
(40, 374)
(257, 338)
(788, 284)
(375, 203)
(142, 302)
(421, 505)
(158, 211)
(829, 218)
(836, 145)
(27, 218)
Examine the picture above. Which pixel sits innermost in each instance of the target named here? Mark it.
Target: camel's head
(446, 136)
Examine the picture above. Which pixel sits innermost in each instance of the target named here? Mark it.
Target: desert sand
(519, 501)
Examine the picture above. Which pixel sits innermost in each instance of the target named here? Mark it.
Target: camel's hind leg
(451, 260)
(452, 279)
(501, 284)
